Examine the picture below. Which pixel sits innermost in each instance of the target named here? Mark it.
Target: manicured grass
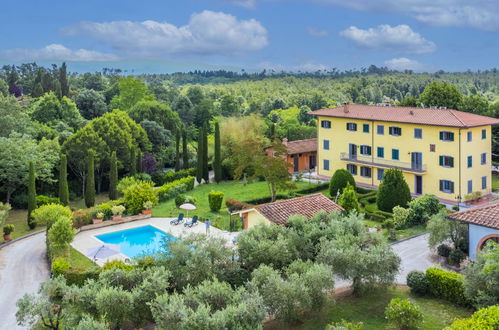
(19, 219)
(231, 189)
(370, 309)
(495, 182)
(78, 260)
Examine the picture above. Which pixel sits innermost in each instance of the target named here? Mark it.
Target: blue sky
(291, 35)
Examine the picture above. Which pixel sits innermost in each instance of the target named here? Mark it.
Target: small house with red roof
(279, 212)
(301, 154)
(483, 226)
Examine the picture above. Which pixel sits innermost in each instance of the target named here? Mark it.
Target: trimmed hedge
(317, 188)
(44, 200)
(264, 200)
(175, 188)
(418, 282)
(215, 199)
(235, 205)
(339, 181)
(170, 176)
(446, 285)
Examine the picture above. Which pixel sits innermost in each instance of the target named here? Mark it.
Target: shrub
(313, 189)
(148, 205)
(81, 218)
(393, 191)
(125, 183)
(143, 177)
(418, 282)
(175, 188)
(116, 264)
(4, 212)
(136, 195)
(170, 176)
(44, 200)
(400, 215)
(60, 235)
(443, 250)
(118, 209)
(456, 256)
(215, 198)
(483, 319)
(50, 213)
(59, 266)
(344, 325)
(339, 181)
(235, 205)
(446, 285)
(105, 208)
(8, 229)
(422, 209)
(348, 199)
(404, 313)
(455, 208)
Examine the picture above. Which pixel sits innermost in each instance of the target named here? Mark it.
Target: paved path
(23, 266)
(415, 255)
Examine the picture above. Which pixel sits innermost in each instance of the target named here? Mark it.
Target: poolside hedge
(175, 188)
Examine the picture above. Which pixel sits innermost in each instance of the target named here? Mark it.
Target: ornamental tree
(393, 191)
(340, 179)
(61, 233)
(348, 199)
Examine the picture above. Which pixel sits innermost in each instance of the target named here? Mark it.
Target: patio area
(86, 239)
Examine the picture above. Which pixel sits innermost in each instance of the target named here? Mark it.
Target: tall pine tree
(177, 150)
(185, 154)
(199, 166)
(113, 177)
(133, 162)
(63, 80)
(63, 180)
(90, 184)
(206, 174)
(31, 194)
(217, 161)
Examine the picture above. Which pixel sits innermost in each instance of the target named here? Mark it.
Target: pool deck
(86, 239)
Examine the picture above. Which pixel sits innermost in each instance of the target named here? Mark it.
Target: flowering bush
(118, 209)
(404, 314)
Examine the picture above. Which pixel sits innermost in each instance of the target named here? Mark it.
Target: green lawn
(495, 182)
(78, 204)
(231, 189)
(78, 260)
(19, 219)
(370, 308)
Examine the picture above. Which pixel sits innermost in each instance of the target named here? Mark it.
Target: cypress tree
(217, 162)
(113, 177)
(58, 90)
(90, 184)
(63, 80)
(177, 151)
(199, 166)
(63, 180)
(133, 162)
(206, 174)
(139, 162)
(185, 154)
(31, 194)
(393, 191)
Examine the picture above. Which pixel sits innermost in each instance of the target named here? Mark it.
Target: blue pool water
(137, 241)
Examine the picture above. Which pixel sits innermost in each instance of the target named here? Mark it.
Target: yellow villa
(442, 152)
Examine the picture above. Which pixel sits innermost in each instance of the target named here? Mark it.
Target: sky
(160, 36)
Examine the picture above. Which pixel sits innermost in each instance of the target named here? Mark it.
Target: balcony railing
(381, 162)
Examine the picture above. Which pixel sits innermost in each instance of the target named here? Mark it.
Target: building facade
(300, 154)
(446, 153)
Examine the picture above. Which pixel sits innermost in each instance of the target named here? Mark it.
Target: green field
(231, 189)
(370, 308)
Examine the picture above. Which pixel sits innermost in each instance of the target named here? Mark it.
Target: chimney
(345, 106)
(285, 141)
(411, 113)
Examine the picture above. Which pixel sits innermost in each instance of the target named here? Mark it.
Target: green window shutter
(441, 160)
(451, 136)
(400, 130)
(451, 161)
(452, 187)
(441, 185)
(441, 135)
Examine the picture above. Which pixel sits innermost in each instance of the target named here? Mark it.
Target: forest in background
(48, 111)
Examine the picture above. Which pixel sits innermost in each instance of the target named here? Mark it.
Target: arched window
(489, 238)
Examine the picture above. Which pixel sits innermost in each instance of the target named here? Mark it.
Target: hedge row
(235, 205)
(175, 188)
(170, 176)
(316, 188)
(446, 285)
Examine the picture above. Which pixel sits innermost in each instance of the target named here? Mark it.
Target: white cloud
(303, 67)
(314, 32)
(481, 14)
(207, 33)
(56, 52)
(403, 63)
(250, 4)
(400, 38)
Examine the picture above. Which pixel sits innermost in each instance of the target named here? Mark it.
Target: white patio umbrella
(103, 251)
(187, 207)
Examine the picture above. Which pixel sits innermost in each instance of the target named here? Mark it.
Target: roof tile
(487, 216)
(299, 146)
(424, 116)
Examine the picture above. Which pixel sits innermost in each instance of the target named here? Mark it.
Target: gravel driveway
(415, 255)
(23, 266)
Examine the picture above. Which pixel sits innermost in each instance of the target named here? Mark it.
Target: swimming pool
(137, 241)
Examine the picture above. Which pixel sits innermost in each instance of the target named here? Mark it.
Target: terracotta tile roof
(308, 206)
(424, 116)
(487, 216)
(300, 146)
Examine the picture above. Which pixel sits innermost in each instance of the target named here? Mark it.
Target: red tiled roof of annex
(300, 146)
(424, 116)
(487, 216)
(308, 206)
